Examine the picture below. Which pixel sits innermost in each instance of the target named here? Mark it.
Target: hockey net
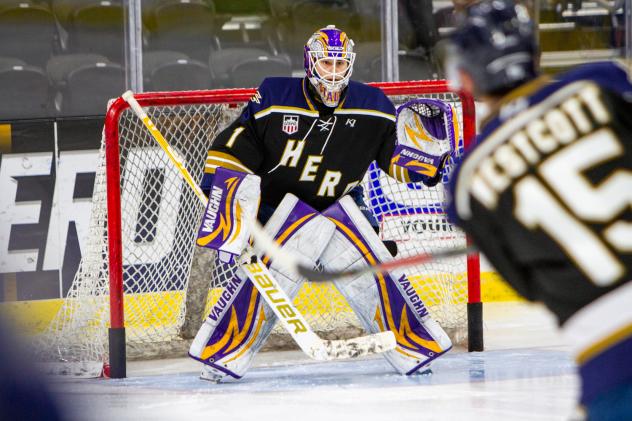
(140, 253)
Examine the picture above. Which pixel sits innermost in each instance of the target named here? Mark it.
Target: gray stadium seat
(411, 67)
(25, 91)
(60, 66)
(84, 83)
(27, 31)
(97, 27)
(250, 72)
(242, 7)
(174, 71)
(10, 62)
(246, 67)
(182, 25)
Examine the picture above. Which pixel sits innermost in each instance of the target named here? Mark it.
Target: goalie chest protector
(298, 145)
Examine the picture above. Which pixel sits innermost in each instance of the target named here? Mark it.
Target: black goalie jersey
(297, 145)
(547, 192)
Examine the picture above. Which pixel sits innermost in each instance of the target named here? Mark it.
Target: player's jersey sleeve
(239, 146)
(547, 193)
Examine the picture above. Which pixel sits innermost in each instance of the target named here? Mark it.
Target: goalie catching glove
(427, 135)
(231, 210)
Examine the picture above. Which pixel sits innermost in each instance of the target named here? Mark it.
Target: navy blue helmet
(495, 44)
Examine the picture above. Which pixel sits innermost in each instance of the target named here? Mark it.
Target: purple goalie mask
(329, 61)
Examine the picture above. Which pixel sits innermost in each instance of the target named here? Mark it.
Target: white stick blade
(361, 346)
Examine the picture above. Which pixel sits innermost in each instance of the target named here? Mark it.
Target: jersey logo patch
(290, 124)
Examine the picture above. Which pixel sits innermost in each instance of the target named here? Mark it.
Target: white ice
(525, 373)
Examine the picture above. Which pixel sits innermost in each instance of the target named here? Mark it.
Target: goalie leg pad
(383, 301)
(241, 320)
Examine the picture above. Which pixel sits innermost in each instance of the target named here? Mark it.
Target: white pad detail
(363, 292)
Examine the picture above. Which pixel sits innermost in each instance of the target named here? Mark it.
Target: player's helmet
(495, 45)
(329, 61)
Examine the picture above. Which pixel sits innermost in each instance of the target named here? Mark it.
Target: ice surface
(526, 374)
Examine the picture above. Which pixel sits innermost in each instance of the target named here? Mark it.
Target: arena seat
(411, 67)
(243, 67)
(250, 72)
(27, 31)
(86, 89)
(174, 71)
(97, 27)
(25, 91)
(182, 25)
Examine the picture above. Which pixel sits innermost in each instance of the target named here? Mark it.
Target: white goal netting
(169, 286)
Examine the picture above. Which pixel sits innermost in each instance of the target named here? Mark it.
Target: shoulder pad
(608, 75)
(368, 97)
(277, 91)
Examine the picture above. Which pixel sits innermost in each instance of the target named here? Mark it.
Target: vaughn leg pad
(240, 321)
(383, 301)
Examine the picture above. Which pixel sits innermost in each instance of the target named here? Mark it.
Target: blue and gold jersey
(298, 145)
(546, 194)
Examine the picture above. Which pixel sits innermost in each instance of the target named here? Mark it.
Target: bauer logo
(290, 124)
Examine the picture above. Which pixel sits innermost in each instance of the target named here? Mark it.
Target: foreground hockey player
(307, 142)
(547, 192)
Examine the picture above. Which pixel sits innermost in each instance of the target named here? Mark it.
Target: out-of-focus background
(61, 60)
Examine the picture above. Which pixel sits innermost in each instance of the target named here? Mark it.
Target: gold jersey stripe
(360, 111)
(285, 109)
(220, 159)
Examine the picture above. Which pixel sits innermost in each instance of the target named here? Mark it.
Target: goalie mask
(329, 60)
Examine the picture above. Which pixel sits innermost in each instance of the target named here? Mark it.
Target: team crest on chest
(290, 124)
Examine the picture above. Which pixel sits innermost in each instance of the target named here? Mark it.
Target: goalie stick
(291, 319)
